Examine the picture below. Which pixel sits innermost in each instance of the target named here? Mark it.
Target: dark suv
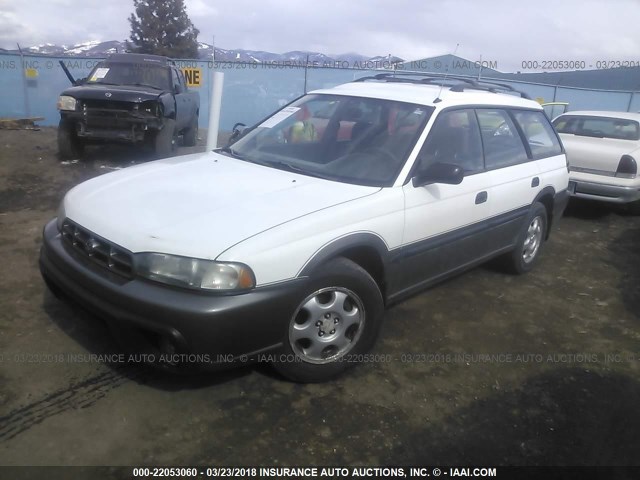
(129, 98)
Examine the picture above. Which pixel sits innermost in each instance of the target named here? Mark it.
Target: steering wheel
(372, 162)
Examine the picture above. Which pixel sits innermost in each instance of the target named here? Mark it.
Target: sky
(501, 31)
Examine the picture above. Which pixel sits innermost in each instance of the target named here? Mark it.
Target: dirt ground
(486, 369)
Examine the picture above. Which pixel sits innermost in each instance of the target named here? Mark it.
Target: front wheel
(70, 147)
(336, 322)
(530, 241)
(165, 139)
(190, 137)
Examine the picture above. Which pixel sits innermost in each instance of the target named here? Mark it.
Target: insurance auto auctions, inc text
(374, 472)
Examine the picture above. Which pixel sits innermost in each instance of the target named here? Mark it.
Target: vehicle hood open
(198, 205)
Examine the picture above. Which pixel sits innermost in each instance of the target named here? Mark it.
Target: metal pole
(630, 102)
(306, 67)
(27, 110)
(214, 110)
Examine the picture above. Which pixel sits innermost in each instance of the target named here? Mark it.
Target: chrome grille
(98, 249)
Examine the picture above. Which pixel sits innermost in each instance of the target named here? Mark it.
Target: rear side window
(501, 140)
(601, 127)
(539, 133)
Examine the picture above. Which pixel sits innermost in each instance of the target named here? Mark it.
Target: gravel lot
(486, 369)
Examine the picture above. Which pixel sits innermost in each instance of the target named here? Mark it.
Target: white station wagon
(288, 244)
(602, 148)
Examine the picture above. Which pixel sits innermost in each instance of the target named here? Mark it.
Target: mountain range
(96, 48)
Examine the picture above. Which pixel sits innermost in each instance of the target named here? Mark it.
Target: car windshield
(602, 127)
(358, 140)
(113, 73)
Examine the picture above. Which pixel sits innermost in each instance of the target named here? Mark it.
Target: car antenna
(438, 99)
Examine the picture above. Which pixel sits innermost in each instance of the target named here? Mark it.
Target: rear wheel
(530, 241)
(336, 322)
(70, 147)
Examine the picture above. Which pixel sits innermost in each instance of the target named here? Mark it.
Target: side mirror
(237, 131)
(176, 88)
(439, 173)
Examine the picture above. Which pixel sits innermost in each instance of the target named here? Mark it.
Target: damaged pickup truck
(128, 98)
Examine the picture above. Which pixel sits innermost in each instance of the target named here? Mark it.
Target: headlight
(60, 215)
(66, 103)
(193, 272)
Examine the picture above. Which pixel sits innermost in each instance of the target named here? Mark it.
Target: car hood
(119, 93)
(198, 205)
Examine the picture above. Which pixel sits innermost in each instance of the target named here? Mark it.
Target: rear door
(512, 141)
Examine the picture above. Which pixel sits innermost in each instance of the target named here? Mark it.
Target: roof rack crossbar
(435, 79)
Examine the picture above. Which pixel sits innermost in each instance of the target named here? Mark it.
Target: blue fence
(30, 87)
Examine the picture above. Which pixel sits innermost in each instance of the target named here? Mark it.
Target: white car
(287, 245)
(602, 148)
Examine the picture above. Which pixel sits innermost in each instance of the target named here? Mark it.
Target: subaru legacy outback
(289, 243)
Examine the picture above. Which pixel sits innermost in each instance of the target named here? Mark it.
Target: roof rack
(456, 83)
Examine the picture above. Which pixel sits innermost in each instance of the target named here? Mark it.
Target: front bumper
(111, 125)
(172, 324)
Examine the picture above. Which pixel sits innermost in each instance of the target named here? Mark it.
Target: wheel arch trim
(348, 243)
(546, 192)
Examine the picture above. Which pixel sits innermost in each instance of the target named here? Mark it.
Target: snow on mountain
(81, 48)
(96, 48)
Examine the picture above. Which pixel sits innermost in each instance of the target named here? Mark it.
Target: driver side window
(176, 80)
(454, 139)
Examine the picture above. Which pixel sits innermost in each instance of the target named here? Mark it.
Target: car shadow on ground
(568, 416)
(625, 255)
(591, 210)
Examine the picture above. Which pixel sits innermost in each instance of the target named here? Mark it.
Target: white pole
(214, 110)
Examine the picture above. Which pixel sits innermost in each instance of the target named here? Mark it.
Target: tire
(165, 140)
(70, 147)
(336, 321)
(190, 137)
(530, 241)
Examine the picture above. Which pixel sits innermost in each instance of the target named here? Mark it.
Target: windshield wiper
(295, 169)
(231, 152)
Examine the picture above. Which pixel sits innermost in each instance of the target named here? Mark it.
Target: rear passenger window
(600, 127)
(454, 138)
(538, 133)
(501, 141)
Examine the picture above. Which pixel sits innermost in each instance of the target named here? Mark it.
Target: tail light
(627, 168)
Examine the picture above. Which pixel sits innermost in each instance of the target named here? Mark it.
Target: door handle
(535, 182)
(481, 197)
